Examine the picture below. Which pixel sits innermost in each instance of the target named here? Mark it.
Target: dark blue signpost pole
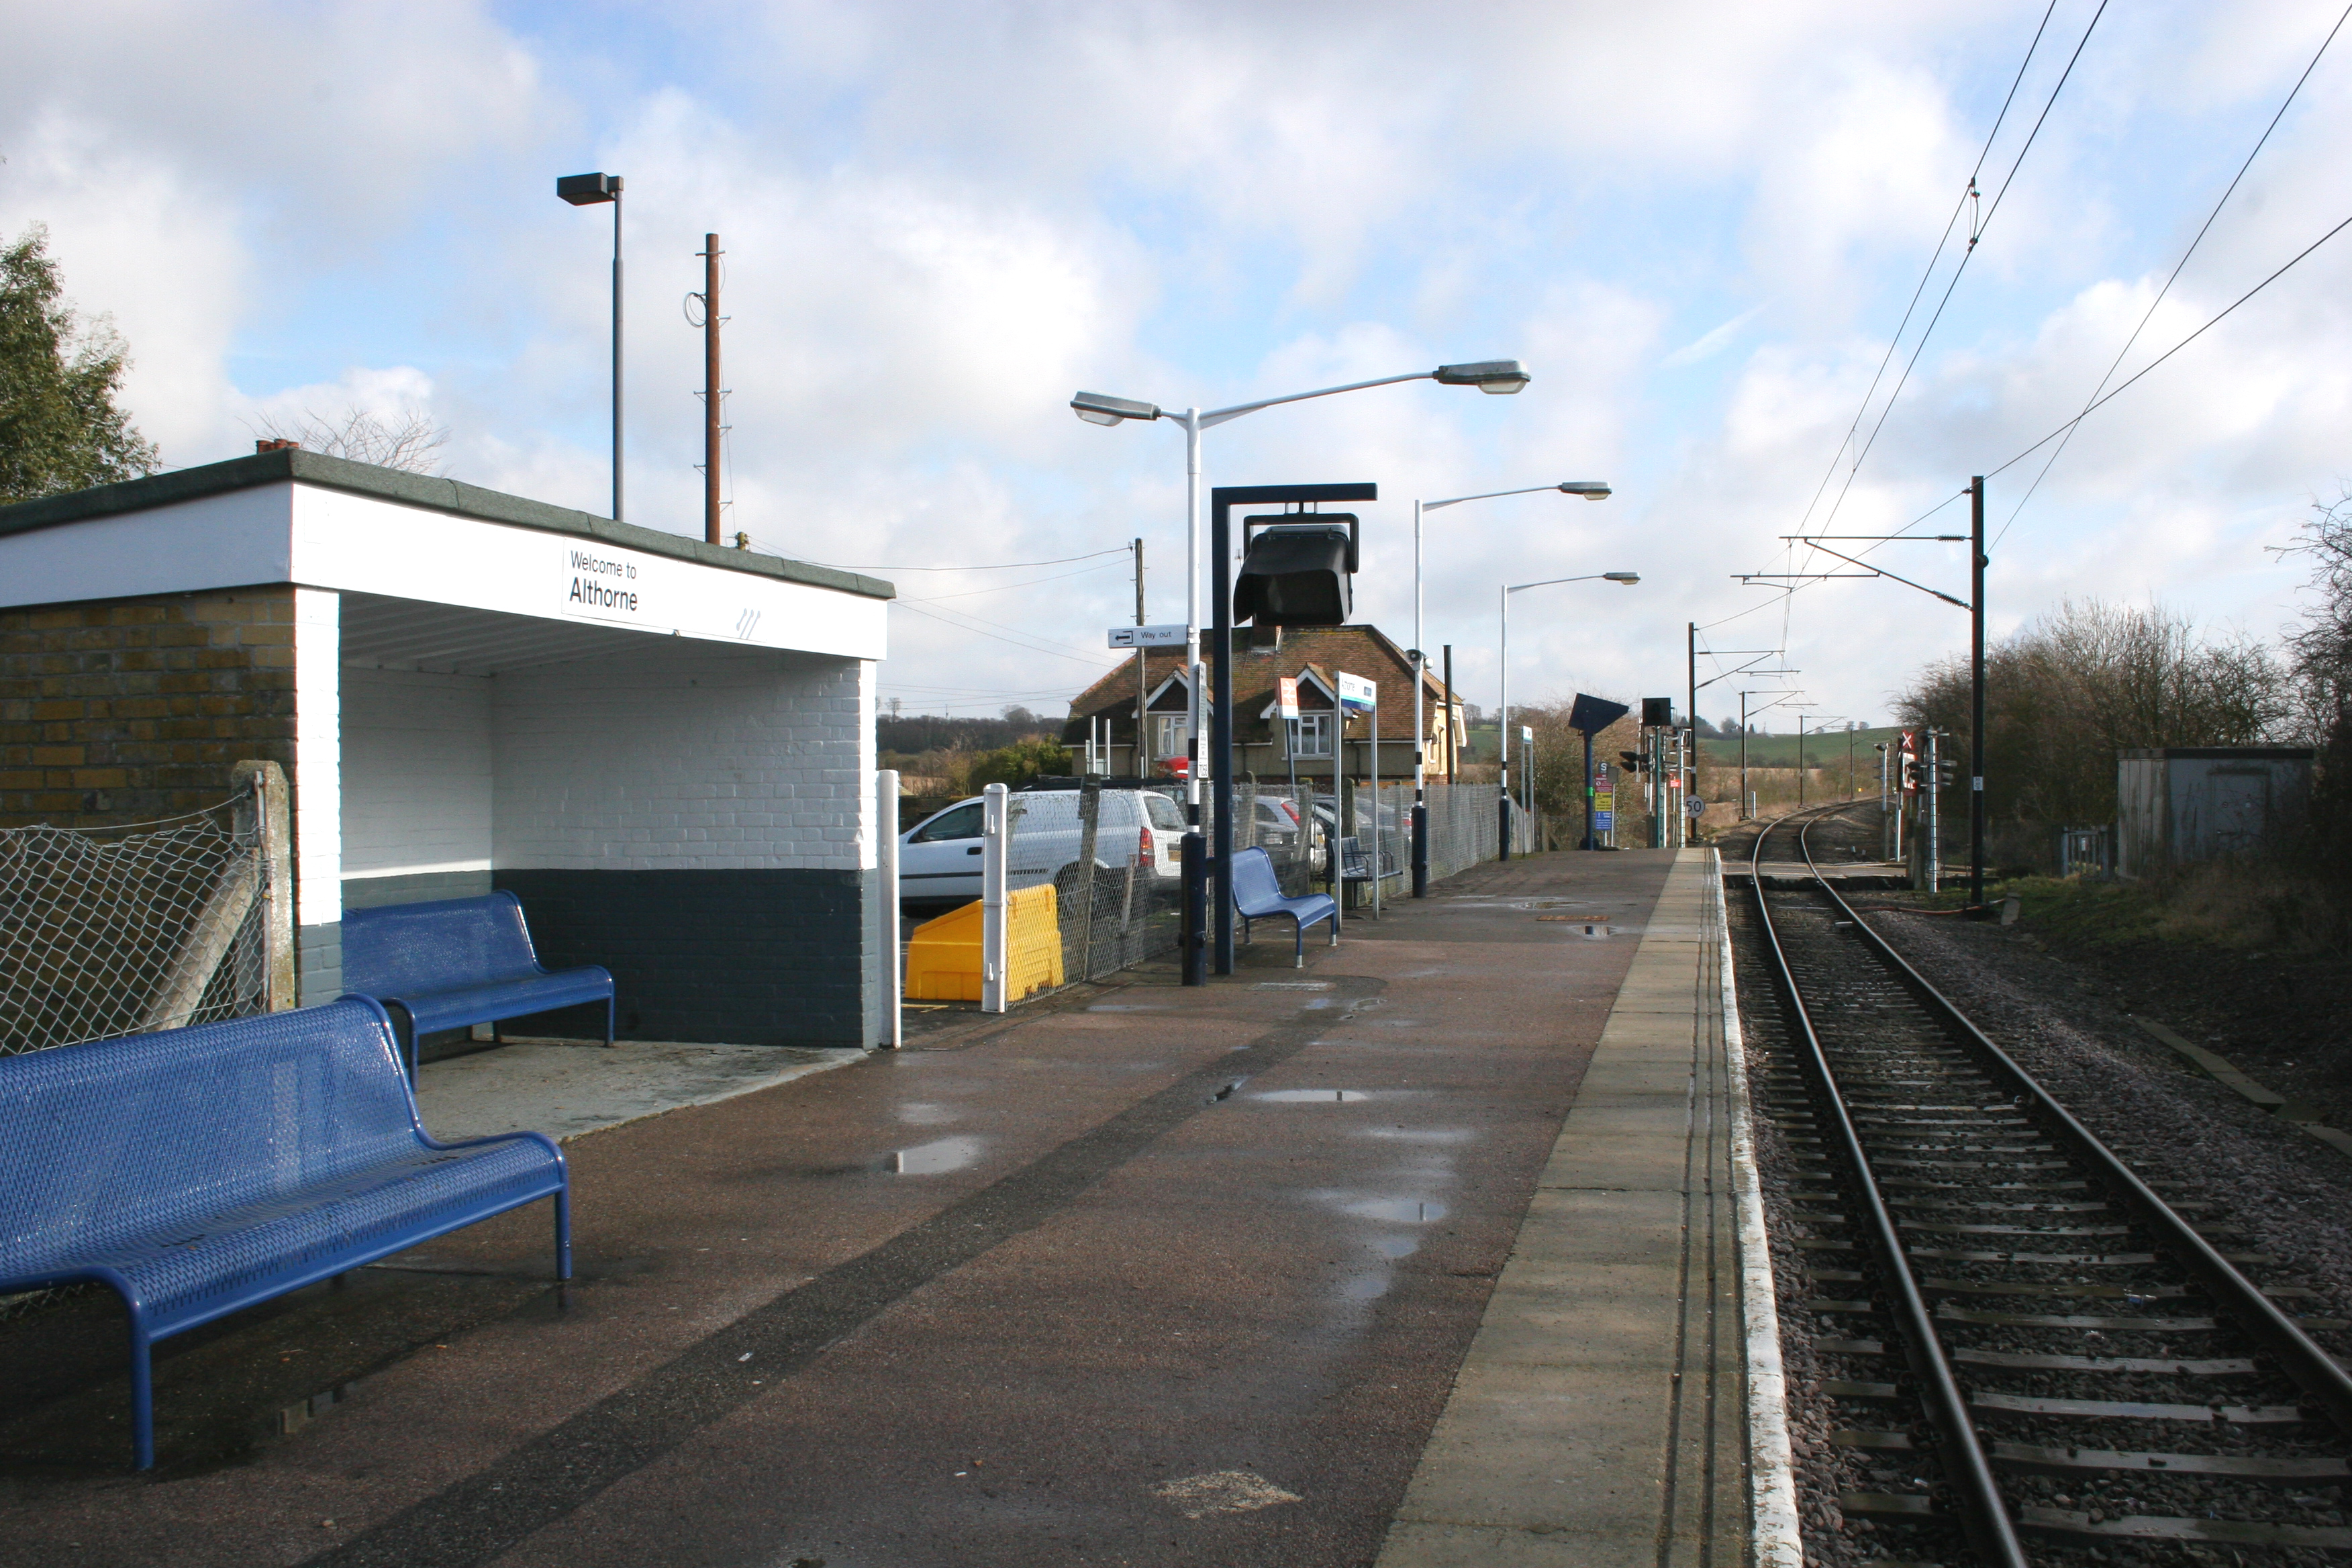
(1588, 717)
(1222, 501)
(1590, 841)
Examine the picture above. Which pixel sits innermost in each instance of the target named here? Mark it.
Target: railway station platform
(1433, 1253)
(1607, 1412)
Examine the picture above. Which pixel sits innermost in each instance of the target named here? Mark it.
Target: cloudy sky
(1698, 225)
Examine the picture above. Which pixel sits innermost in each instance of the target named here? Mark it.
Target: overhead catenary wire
(1982, 223)
(1928, 273)
(2217, 320)
(2149, 315)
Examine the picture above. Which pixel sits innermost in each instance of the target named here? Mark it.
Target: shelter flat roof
(412, 489)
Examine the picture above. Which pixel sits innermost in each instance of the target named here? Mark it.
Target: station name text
(590, 593)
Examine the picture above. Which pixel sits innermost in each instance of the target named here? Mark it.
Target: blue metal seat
(197, 1172)
(1257, 895)
(460, 962)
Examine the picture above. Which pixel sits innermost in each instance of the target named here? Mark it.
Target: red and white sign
(1285, 697)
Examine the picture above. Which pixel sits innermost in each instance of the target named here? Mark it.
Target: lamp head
(1628, 578)
(1591, 490)
(588, 189)
(1501, 376)
(1096, 408)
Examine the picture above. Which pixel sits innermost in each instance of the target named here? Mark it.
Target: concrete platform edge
(1772, 1474)
(1637, 1302)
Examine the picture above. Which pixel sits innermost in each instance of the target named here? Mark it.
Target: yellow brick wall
(128, 709)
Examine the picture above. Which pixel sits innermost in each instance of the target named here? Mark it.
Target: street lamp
(1501, 376)
(1591, 490)
(594, 190)
(1503, 729)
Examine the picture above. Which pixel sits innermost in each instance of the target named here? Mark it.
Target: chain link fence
(154, 925)
(150, 927)
(1111, 853)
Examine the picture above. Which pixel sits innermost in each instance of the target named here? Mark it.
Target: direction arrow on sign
(1148, 637)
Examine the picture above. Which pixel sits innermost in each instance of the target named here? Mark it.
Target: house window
(1311, 735)
(1169, 732)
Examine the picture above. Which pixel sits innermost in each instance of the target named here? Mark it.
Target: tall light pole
(1499, 376)
(1503, 729)
(1591, 490)
(591, 190)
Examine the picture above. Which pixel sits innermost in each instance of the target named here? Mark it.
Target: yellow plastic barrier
(943, 958)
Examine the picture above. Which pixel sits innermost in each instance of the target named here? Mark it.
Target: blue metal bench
(1257, 896)
(197, 1172)
(460, 962)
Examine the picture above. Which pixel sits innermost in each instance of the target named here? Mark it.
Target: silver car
(939, 858)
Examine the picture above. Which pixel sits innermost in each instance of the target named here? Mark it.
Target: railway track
(2035, 1354)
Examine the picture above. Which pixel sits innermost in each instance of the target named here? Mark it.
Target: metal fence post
(1194, 927)
(995, 824)
(265, 781)
(886, 893)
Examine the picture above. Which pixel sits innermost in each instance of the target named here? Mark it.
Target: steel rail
(2311, 1368)
(1984, 1516)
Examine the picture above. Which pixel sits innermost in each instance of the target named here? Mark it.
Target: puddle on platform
(1310, 1095)
(936, 1158)
(1293, 985)
(1419, 1134)
(1129, 1007)
(1397, 1211)
(926, 1114)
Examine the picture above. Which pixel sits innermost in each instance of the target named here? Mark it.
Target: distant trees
(2091, 678)
(1020, 763)
(59, 428)
(2321, 654)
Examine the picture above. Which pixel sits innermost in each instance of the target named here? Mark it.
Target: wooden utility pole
(713, 428)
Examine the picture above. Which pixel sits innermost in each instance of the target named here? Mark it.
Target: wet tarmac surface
(1143, 1274)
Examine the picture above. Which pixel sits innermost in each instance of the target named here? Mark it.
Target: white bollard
(995, 821)
(886, 863)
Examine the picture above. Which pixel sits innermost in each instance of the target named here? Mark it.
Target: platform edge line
(1777, 1540)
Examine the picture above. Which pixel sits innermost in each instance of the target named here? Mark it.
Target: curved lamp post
(1591, 490)
(1500, 376)
(588, 191)
(1503, 729)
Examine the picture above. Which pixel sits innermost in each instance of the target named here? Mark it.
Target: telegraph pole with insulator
(713, 427)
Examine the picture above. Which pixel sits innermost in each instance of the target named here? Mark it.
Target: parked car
(939, 858)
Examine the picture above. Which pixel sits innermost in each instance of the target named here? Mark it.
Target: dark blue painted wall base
(754, 958)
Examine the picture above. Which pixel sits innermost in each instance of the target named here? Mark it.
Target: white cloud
(941, 222)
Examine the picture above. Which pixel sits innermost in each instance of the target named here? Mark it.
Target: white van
(939, 858)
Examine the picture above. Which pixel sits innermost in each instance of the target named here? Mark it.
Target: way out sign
(1147, 637)
(1285, 697)
(1356, 695)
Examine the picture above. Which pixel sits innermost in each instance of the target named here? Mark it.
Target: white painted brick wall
(318, 758)
(685, 756)
(416, 773)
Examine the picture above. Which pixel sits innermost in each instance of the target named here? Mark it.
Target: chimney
(276, 445)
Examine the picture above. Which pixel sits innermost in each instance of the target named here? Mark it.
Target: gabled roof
(1315, 651)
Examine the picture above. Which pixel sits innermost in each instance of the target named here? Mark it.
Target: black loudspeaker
(1657, 712)
(1297, 575)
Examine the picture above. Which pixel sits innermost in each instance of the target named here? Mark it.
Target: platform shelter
(664, 748)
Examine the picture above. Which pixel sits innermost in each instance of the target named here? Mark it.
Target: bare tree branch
(408, 440)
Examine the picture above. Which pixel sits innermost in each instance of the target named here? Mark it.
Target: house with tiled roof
(1153, 685)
